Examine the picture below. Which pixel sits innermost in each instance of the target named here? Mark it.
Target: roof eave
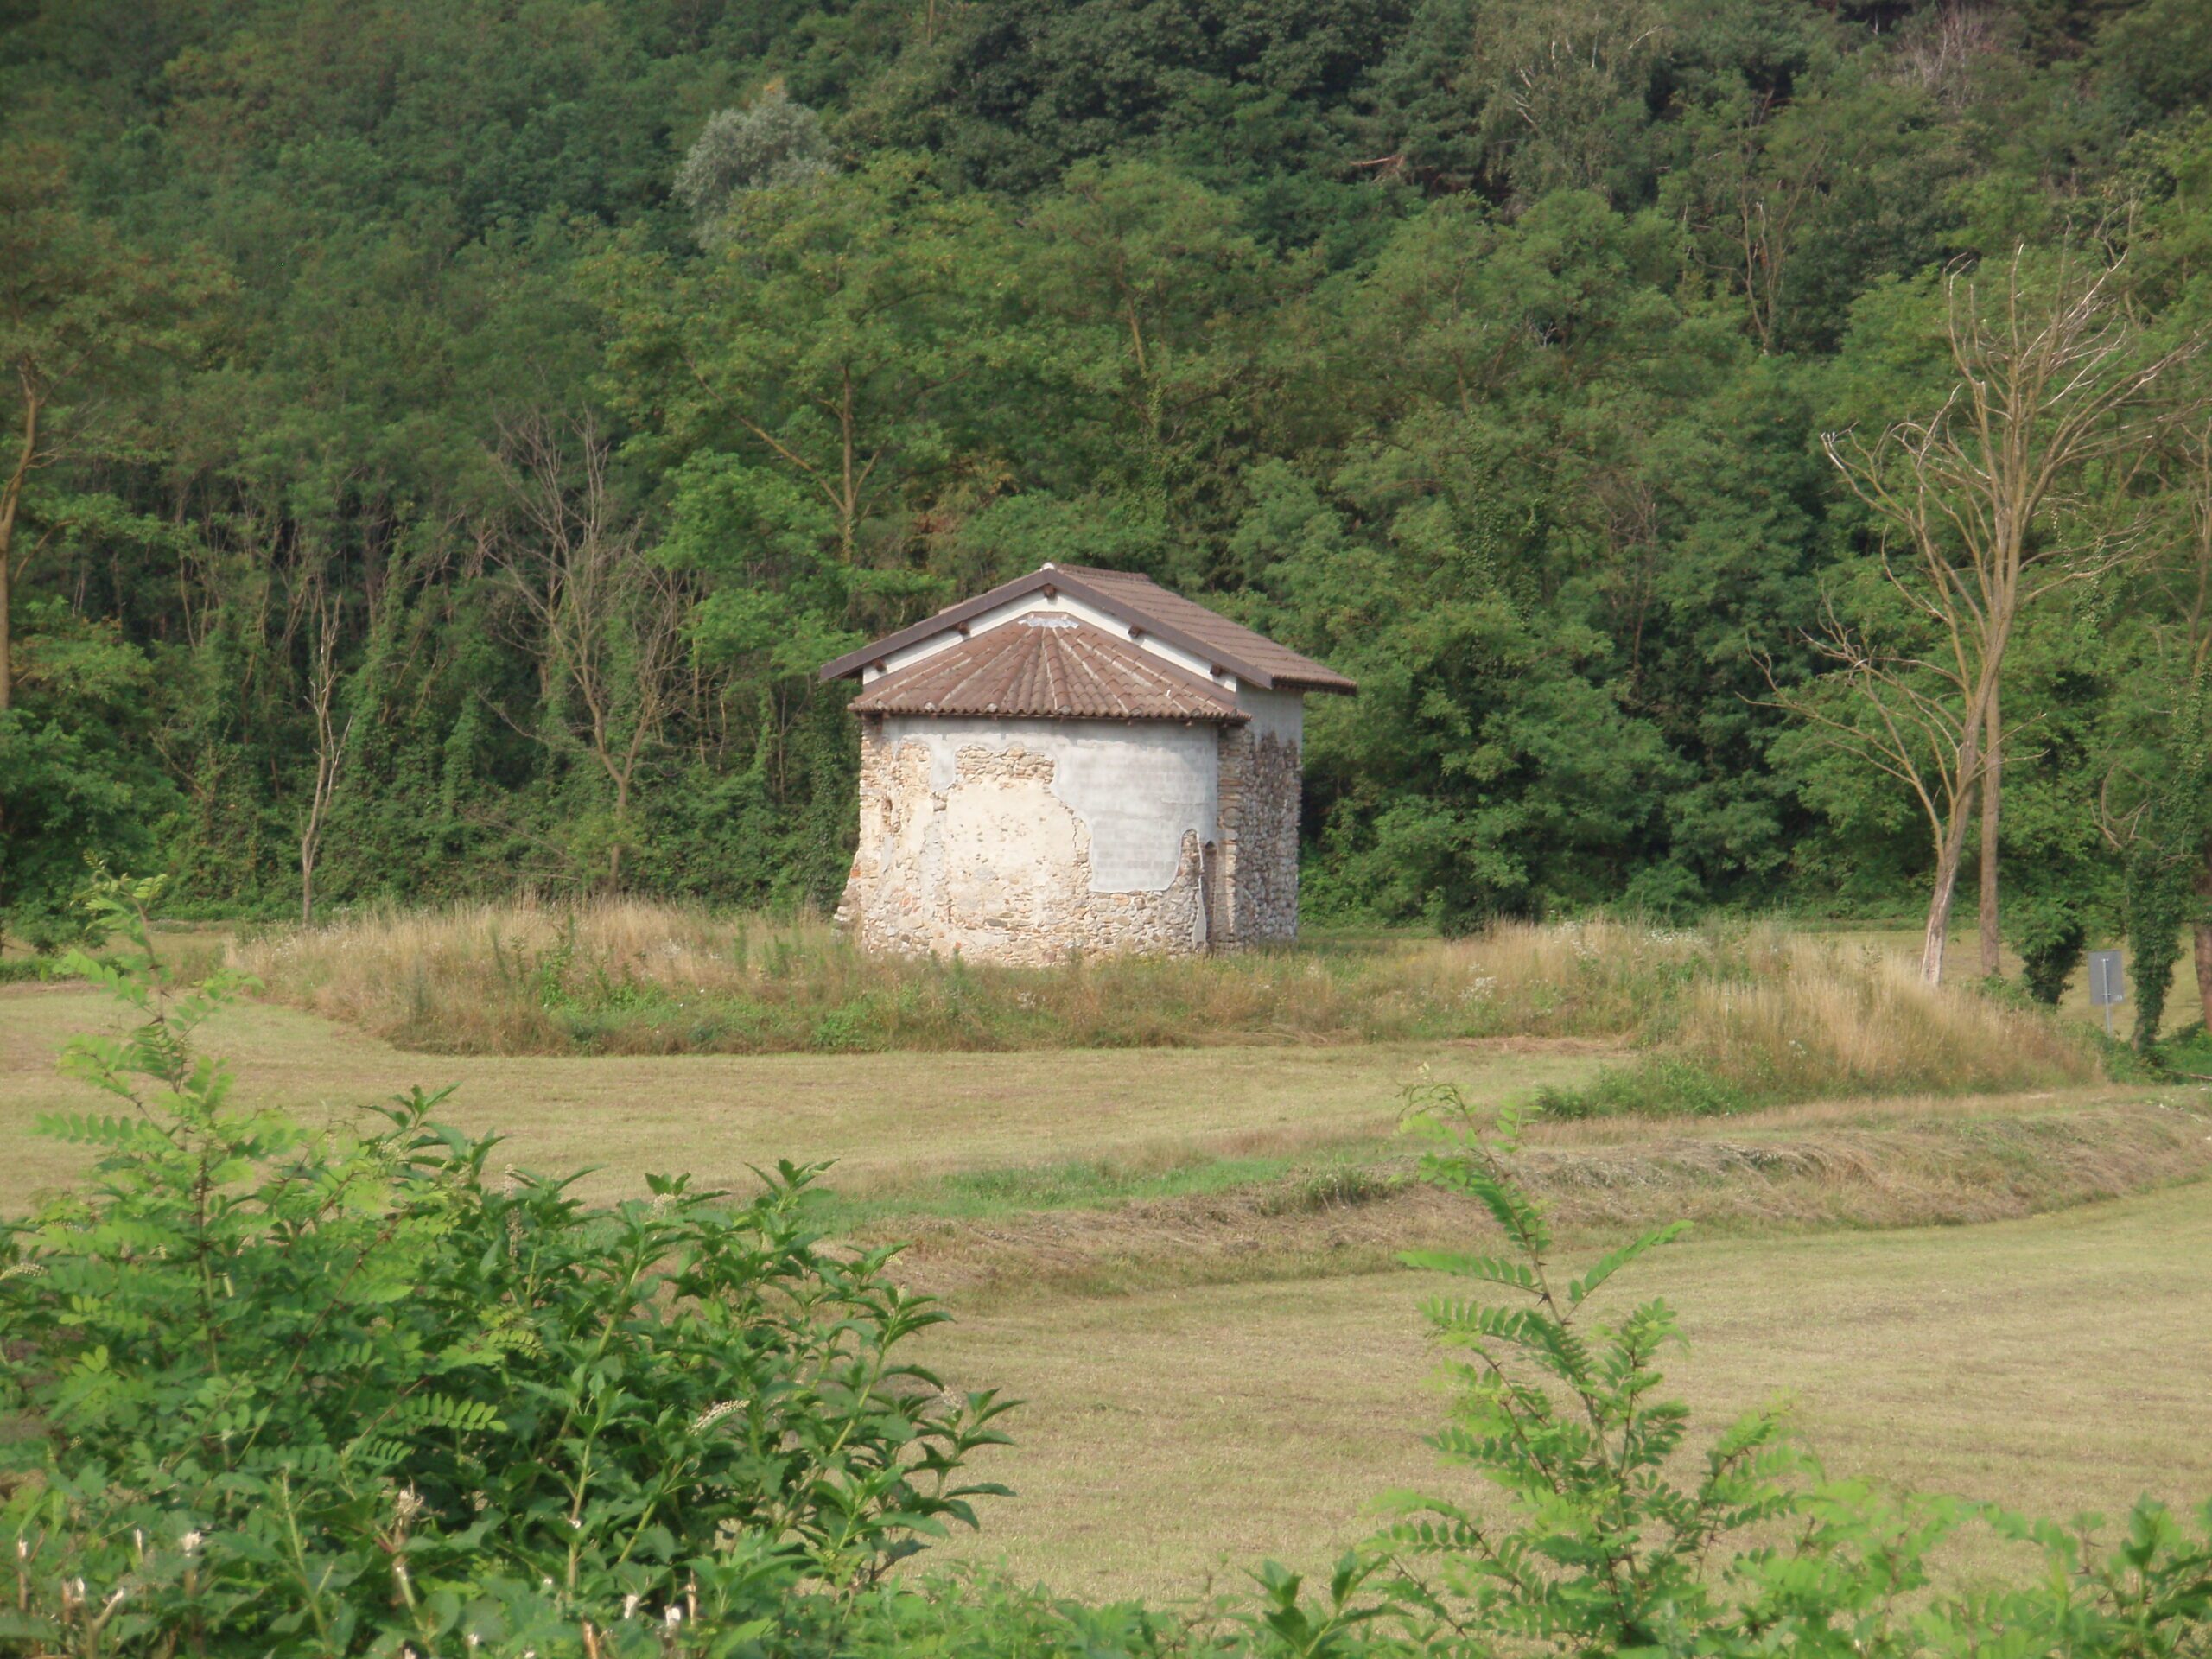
(1225, 717)
(853, 661)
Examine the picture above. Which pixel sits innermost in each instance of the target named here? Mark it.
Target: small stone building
(1076, 762)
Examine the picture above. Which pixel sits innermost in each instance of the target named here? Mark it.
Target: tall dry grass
(1742, 1014)
(634, 976)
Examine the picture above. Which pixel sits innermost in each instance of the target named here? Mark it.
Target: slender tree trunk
(1993, 788)
(849, 503)
(1937, 933)
(11, 498)
(1950, 853)
(621, 823)
(330, 743)
(2204, 931)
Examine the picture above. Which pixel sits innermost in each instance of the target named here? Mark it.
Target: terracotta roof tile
(1138, 602)
(1234, 641)
(1047, 666)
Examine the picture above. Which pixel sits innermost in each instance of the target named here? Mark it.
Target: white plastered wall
(1279, 715)
(1140, 786)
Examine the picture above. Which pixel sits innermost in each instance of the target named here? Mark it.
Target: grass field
(2057, 1363)
(1181, 1256)
(889, 1119)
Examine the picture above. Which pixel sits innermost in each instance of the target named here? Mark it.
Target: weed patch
(1654, 1085)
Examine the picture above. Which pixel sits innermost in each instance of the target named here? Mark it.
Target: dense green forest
(443, 437)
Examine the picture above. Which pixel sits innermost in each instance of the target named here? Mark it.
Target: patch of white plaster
(1137, 786)
(1279, 715)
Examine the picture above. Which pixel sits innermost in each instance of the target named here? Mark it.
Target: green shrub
(2050, 931)
(2187, 1053)
(1658, 1085)
(326, 1393)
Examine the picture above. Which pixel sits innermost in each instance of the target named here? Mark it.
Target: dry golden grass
(1762, 1013)
(522, 977)
(633, 976)
(1770, 1014)
(1807, 1017)
(629, 976)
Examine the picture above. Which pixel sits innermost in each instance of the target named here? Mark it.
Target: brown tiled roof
(1050, 666)
(1140, 603)
(1232, 642)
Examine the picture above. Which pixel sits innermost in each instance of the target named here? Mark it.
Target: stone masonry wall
(1253, 898)
(991, 863)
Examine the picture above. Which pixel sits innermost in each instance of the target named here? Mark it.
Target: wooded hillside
(443, 438)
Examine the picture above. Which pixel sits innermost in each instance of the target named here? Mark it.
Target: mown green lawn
(889, 1120)
(2057, 1363)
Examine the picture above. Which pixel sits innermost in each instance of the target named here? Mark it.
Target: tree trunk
(1938, 931)
(1993, 788)
(1950, 853)
(306, 884)
(848, 509)
(2204, 931)
(11, 499)
(621, 823)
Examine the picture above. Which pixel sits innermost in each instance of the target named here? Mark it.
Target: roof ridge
(1109, 571)
(1166, 618)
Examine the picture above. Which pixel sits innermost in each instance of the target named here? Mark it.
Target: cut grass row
(888, 1121)
(2055, 1364)
(1355, 1209)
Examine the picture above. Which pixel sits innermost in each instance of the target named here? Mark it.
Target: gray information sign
(2107, 984)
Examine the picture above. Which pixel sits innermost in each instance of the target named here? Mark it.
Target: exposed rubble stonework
(995, 862)
(1077, 763)
(1254, 890)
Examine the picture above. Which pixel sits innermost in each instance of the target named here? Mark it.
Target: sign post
(2107, 984)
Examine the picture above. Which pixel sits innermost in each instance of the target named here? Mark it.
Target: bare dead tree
(2194, 628)
(1910, 716)
(1757, 197)
(28, 458)
(1939, 56)
(2014, 488)
(604, 623)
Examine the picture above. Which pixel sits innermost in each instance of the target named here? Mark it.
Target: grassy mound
(1725, 1018)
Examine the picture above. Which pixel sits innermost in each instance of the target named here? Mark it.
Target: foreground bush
(342, 1392)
